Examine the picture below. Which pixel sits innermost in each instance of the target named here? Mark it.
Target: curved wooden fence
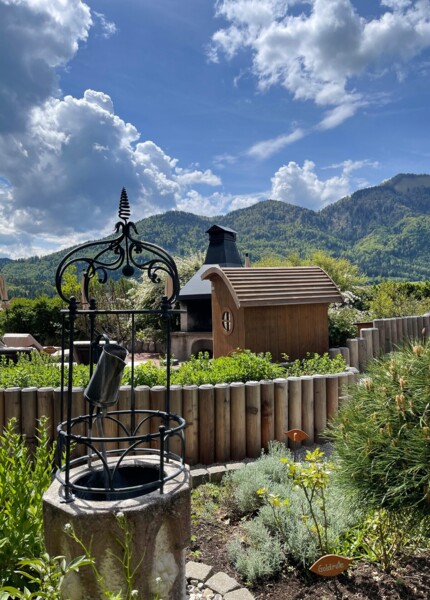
(230, 422)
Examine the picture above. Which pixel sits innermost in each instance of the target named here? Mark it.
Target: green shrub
(241, 366)
(316, 363)
(382, 434)
(23, 481)
(342, 324)
(280, 511)
(38, 370)
(40, 317)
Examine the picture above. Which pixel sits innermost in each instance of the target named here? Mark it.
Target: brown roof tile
(276, 285)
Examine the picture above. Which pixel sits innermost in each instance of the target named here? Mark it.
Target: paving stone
(234, 466)
(199, 571)
(240, 594)
(199, 476)
(216, 473)
(222, 583)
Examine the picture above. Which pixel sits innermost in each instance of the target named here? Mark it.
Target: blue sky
(201, 106)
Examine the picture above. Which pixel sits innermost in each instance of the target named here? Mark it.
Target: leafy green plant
(380, 536)
(38, 370)
(293, 507)
(45, 575)
(316, 363)
(382, 434)
(312, 478)
(23, 481)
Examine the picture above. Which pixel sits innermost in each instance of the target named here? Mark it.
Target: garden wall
(233, 421)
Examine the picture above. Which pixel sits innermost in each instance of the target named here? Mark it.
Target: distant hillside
(384, 229)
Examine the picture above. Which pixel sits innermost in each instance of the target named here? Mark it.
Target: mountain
(383, 229)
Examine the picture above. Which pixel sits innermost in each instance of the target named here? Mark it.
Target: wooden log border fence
(231, 422)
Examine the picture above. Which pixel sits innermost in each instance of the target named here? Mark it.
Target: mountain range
(383, 229)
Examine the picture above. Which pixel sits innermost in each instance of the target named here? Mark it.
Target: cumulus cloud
(301, 185)
(68, 169)
(314, 50)
(64, 160)
(35, 39)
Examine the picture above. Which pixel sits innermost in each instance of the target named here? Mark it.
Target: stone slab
(240, 594)
(216, 473)
(195, 570)
(222, 583)
(199, 477)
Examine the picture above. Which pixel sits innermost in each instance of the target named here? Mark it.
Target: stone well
(159, 528)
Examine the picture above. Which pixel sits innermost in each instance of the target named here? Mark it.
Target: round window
(227, 321)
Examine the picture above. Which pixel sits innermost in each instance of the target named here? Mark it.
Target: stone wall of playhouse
(231, 422)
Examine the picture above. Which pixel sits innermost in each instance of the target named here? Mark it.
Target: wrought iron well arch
(95, 471)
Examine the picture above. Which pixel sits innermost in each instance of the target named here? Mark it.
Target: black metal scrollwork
(122, 252)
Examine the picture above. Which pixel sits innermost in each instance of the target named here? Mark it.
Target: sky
(201, 106)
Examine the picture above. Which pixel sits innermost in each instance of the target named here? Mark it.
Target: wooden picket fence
(230, 422)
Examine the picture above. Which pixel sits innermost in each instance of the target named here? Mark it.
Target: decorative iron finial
(122, 252)
(124, 211)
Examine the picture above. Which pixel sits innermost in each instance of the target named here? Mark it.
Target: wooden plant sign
(296, 435)
(330, 565)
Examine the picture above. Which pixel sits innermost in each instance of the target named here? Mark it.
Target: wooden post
(175, 444)
(294, 404)
(253, 419)
(352, 344)
(308, 423)
(332, 391)
(352, 378)
(281, 409)
(57, 407)
(415, 327)
(158, 402)
(29, 416)
(333, 352)
(366, 334)
(207, 424)
(343, 388)
(2, 419)
(12, 406)
(344, 350)
(405, 329)
(222, 422)
(426, 323)
(362, 354)
(267, 388)
(388, 341)
(380, 326)
(420, 325)
(399, 326)
(237, 421)
(190, 408)
(320, 406)
(142, 401)
(411, 334)
(79, 408)
(393, 326)
(45, 408)
(375, 343)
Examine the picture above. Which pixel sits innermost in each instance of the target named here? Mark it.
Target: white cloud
(68, 169)
(266, 148)
(36, 37)
(316, 53)
(108, 28)
(302, 186)
(63, 161)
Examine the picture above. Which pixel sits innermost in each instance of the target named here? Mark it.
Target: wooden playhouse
(281, 310)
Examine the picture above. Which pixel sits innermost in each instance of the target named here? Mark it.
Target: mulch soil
(409, 578)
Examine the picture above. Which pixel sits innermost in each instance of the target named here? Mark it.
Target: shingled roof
(269, 286)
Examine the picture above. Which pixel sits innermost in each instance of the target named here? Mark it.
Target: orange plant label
(330, 565)
(296, 435)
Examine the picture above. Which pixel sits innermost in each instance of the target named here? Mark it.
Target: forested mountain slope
(384, 229)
